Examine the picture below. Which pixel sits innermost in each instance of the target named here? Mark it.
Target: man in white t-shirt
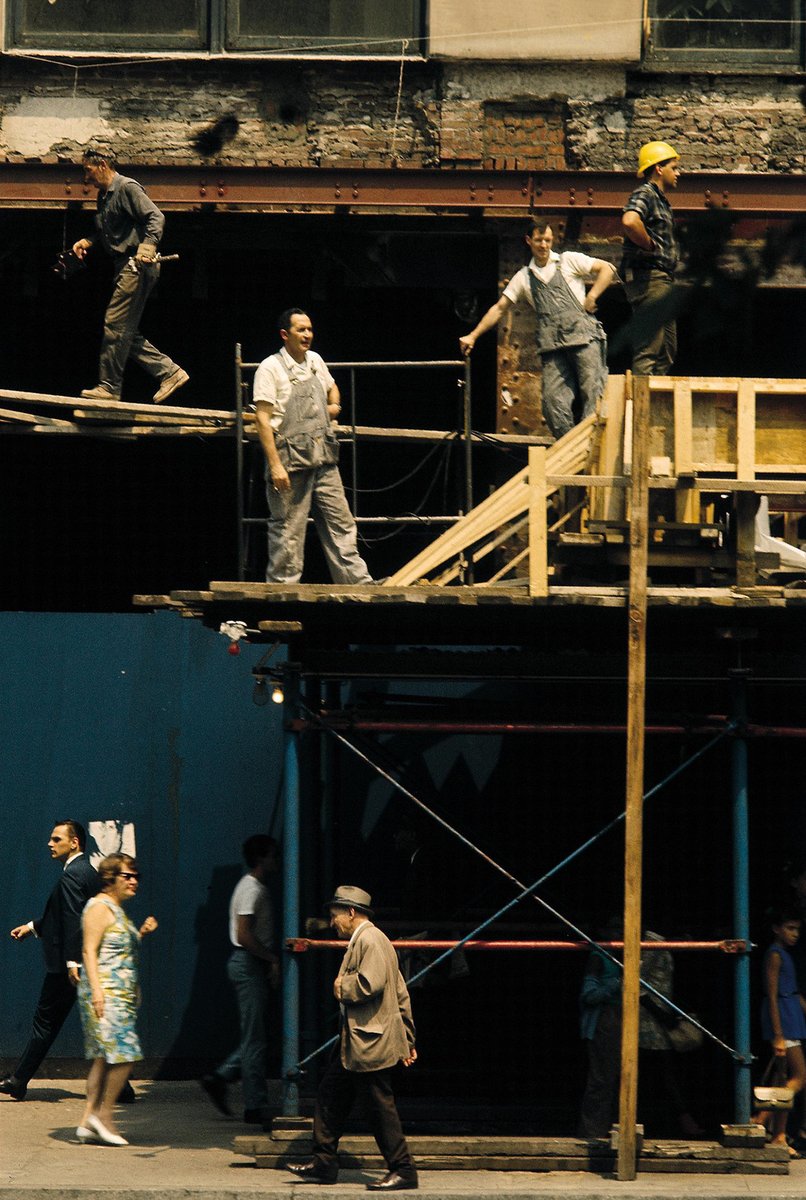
(253, 968)
(570, 341)
(296, 403)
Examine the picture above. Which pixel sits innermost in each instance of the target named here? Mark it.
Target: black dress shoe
(254, 1116)
(394, 1182)
(13, 1088)
(310, 1173)
(216, 1089)
(127, 1094)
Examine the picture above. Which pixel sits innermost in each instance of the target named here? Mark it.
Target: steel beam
(352, 187)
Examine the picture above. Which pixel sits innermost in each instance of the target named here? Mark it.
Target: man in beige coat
(377, 1032)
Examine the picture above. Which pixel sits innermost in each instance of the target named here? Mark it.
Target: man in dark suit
(59, 930)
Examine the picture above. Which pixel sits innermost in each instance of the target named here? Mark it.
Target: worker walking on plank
(129, 227)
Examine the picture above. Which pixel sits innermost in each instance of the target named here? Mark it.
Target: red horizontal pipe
(727, 945)
(408, 726)
(367, 725)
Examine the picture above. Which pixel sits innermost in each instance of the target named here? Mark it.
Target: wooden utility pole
(538, 534)
(633, 829)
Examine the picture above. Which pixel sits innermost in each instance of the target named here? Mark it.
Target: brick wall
(312, 113)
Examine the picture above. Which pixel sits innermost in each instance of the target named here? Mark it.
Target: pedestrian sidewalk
(182, 1148)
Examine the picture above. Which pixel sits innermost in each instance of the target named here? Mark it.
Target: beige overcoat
(377, 1029)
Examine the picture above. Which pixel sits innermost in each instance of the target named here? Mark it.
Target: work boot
(171, 385)
(99, 392)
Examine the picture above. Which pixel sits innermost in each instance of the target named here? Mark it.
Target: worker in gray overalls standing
(570, 341)
(296, 403)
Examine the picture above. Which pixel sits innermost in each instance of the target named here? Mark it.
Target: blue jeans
(577, 372)
(250, 977)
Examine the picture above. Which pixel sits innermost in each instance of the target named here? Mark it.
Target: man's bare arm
(491, 318)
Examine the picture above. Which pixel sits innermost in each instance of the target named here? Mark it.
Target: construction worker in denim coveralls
(570, 341)
(296, 402)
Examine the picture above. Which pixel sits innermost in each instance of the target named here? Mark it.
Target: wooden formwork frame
(704, 436)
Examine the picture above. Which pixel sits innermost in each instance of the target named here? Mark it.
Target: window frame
(216, 34)
(719, 58)
(104, 43)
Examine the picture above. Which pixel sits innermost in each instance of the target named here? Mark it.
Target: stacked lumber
(33, 412)
(290, 1141)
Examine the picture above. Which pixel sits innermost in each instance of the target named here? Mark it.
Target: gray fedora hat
(351, 897)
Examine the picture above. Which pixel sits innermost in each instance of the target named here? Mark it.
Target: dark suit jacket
(59, 927)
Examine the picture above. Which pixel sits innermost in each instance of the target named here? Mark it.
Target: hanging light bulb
(260, 692)
(277, 694)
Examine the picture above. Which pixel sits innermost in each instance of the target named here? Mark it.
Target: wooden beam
(746, 507)
(746, 429)
(538, 533)
(633, 829)
(687, 500)
(118, 406)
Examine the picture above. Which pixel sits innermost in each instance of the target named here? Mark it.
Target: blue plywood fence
(142, 719)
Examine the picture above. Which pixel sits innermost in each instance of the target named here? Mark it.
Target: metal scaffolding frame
(352, 433)
(298, 718)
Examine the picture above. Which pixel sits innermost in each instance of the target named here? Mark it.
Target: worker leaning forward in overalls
(570, 341)
(296, 403)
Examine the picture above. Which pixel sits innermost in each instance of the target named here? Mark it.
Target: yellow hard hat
(653, 153)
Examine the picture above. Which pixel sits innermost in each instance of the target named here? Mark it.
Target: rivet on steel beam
(355, 191)
(725, 200)
(572, 196)
(707, 197)
(203, 188)
(590, 195)
(68, 187)
(221, 188)
(337, 191)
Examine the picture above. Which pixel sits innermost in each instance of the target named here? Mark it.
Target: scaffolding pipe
(300, 945)
(363, 725)
(291, 884)
(407, 725)
(741, 900)
(239, 439)
(525, 891)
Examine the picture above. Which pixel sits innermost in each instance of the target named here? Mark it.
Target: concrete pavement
(182, 1148)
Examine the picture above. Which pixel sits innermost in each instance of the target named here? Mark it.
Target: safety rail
(352, 432)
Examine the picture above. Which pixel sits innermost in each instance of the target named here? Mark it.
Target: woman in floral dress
(109, 995)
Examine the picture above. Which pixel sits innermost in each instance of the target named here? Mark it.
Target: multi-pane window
(333, 26)
(725, 31)
(341, 27)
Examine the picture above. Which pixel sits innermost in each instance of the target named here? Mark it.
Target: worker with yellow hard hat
(651, 257)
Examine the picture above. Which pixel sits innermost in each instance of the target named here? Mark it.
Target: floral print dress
(113, 1036)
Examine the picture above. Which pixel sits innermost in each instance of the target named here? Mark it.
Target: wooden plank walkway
(279, 596)
(484, 1153)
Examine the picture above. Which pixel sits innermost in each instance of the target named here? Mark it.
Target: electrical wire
(416, 512)
(388, 487)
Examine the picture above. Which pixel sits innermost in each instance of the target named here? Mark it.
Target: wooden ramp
(285, 1145)
(505, 512)
(708, 440)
